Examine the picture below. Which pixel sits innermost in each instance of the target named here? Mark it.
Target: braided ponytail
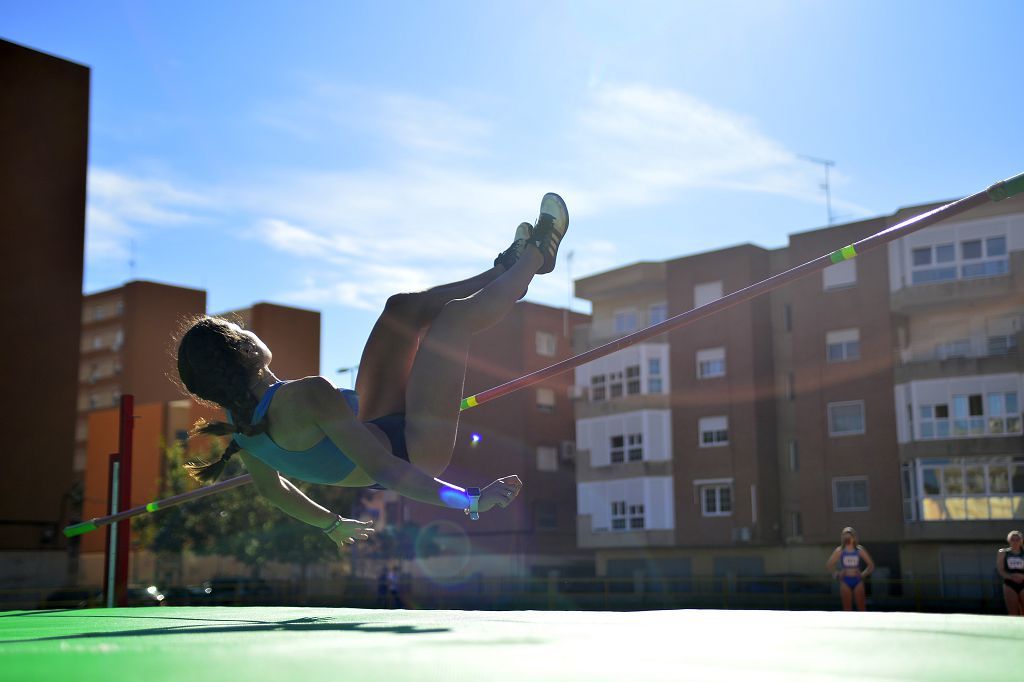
(216, 363)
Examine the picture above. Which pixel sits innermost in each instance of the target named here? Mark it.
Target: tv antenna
(825, 185)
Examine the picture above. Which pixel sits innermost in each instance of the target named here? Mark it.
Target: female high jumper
(851, 579)
(1010, 565)
(397, 429)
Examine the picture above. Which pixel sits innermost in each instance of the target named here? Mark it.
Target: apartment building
(882, 393)
(127, 347)
(527, 432)
(42, 219)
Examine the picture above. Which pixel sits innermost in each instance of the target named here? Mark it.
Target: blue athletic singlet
(322, 463)
(1013, 563)
(850, 560)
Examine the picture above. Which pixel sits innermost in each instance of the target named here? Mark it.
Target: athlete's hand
(349, 531)
(500, 493)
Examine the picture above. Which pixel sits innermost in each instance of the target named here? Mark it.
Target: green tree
(239, 523)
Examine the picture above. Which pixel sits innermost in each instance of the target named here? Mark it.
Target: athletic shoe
(509, 256)
(550, 228)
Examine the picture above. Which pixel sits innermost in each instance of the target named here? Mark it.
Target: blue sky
(328, 154)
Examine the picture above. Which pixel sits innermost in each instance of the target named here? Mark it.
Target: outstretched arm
(281, 493)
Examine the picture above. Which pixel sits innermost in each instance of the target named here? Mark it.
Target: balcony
(1005, 359)
(961, 291)
(587, 538)
(586, 472)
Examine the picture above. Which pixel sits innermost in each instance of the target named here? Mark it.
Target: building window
(706, 293)
(997, 414)
(957, 348)
(547, 458)
(546, 344)
(846, 418)
(985, 257)
(545, 515)
(839, 275)
(546, 399)
(842, 345)
(710, 363)
(965, 489)
(714, 431)
(635, 447)
(794, 456)
(1002, 344)
(597, 387)
(933, 264)
(614, 384)
(616, 449)
(625, 321)
(796, 524)
(850, 494)
(657, 312)
(636, 517)
(619, 515)
(654, 382)
(633, 380)
(716, 500)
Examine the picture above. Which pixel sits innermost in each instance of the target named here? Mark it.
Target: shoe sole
(559, 222)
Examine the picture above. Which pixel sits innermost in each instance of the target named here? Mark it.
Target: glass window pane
(1017, 478)
(998, 479)
(942, 428)
(953, 480)
(852, 350)
(974, 405)
(941, 411)
(835, 352)
(959, 406)
(927, 429)
(944, 253)
(725, 499)
(971, 249)
(860, 494)
(995, 404)
(1011, 402)
(710, 501)
(923, 256)
(930, 482)
(975, 480)
(996, 246)
(926, 411)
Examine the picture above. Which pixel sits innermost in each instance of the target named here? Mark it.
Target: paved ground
(195, 644)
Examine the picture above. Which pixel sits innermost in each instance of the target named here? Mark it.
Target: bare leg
(389, 351)
(845, 596)
(1013, 601)
(1020, 603)
(438, 372)
(859, 595)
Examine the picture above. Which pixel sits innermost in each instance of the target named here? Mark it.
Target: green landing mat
(281, 644)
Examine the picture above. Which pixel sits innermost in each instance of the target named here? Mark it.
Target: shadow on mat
(296, 625)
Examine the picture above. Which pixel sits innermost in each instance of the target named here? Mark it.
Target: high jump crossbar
(997, 192)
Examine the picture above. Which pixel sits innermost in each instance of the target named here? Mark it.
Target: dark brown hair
(216, 364)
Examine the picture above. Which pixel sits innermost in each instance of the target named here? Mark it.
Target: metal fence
(948, 595)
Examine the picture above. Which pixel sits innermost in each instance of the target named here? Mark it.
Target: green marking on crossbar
(845, 253)
(79, 529)
(153, 506)
(468, 403)
(1007, 188)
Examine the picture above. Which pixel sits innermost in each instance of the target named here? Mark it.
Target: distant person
(848, 556)
(1010, 565)
(382, 588)
(394, 588)
(398, 428)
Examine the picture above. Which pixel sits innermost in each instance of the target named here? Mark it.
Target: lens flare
(474, 440)
(442, 552)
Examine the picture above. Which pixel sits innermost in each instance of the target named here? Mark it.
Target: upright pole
(124, 497)
(110, 553)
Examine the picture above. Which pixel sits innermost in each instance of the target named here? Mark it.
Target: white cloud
(120, 206)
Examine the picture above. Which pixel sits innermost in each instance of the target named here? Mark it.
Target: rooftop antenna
(825, 185)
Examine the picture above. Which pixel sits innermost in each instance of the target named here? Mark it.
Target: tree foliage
(238, 523)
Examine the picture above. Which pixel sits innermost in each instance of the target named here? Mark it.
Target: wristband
(330, 529)
(474, 503)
